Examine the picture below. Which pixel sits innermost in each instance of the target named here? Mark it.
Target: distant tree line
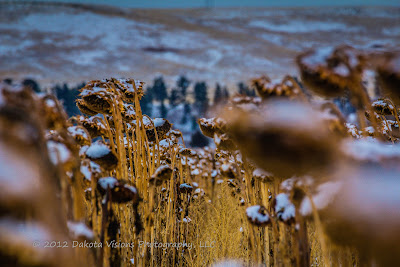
(179, 94)
(195, 104)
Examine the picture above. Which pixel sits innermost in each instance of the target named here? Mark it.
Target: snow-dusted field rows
(61, 43)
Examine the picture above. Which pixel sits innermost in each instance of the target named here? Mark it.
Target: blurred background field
(56, 43)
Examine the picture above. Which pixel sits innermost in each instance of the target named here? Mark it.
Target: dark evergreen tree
(163, 110)
(175, 97)
(182, 85)
(8, 81)
(31, 84)
(187, 110)
(218, 95)
(160, 89)
(225, 94)
(195, 126)
(68, 96)
(147, 101)
(200, 97)
(243, 89)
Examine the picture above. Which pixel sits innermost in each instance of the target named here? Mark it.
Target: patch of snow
(79, 229)
(107, 182)
(342, 70)
(76, 130)
(318, 57)
(325, 195)
(391, 31)
(158, 122)
(370, 149)
(225, 167)
(58, 152)
(186, 186)
(82, 150)
(254, 214)
(301, 26)
(186, 220)
(97, 150)
(228, 263)
(284, 208)
(86, 172)
(195, 172)
(260, 172)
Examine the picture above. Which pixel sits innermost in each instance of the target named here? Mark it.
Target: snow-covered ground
(59, 43)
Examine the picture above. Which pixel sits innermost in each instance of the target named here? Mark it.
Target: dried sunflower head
(323, 196)
(383, 107)
(80, 134)
(102, 155)
(163, 172)
(185, 188)
(94, 125)
(211, 126)
(258, 215)
(97, 96)
(335, 119)
(19, 127)
(129, 88)
(263, 176)
(162, 127)
(83, 107)
(61, 155)
(207, 127)
(18, 96)
(52, 112)
(128, 113)
(187, 152)
(25, 166)
(121, 191)
(353, 131)
(155, 182)
(266, 88)
(389, 76)
(391, 130)
(229, 170)
(244, 99)
(369, 131)
(366, 213)
(369, 117)
(328, 71)
(224, 142)
(286, 138)
(284, 208)
(174, 135)
(90, 170)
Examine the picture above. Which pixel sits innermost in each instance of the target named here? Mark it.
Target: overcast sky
(228, 3)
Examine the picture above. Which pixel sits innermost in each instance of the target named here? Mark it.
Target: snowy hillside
(62, 43)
